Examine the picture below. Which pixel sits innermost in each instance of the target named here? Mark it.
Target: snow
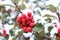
(53, 31)
(53, 2)
(8, 27)
(26, 35)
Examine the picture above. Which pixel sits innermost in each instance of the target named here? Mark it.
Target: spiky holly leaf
(39, 31)
(52, 8)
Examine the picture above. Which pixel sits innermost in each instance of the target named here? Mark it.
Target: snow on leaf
(47, 15)
(7, 5)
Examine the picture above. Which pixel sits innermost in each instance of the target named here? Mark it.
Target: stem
(17, 8)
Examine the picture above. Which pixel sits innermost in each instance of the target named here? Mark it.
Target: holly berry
(58, 30)
(4, 31)
(23, 16)
(28, 22)
(5, 35)
(32, 21)
(20, 25)
(57, 35)
(32, 25)
(23, 20)
(29, 14)
(27, 18)
(29, 29)
(23, 23)
(30, 18)
(18, 19)
(25, 29)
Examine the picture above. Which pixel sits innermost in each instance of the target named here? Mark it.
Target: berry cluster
(26, 22)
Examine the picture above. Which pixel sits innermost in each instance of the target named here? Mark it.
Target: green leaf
(39, 38)
(50, 28)
(22, 7)
(1, 7)
(3, 18)
(38, 25)
(14, 38)
(6, 38)
(38, 28)
(20, 33)
(52, 8)
(11, 32)
(48, 20)
(39, 31)
(47, 15)
(7, 5)
(57, 38)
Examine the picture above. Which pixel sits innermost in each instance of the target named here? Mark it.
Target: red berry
(23, 16)
(58, 30)
(32, 25)
(30, 18)
(4, 31)
(29, 14)
(58, 35)
(20, 25)
(29, 29)
(5, 35)
(23, 23)
(28, 22)
(27, 18)
(24, 29)
(32, 21)
(18, 19)
(23, 20)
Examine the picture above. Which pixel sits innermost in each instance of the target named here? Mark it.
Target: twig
(58, 13)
